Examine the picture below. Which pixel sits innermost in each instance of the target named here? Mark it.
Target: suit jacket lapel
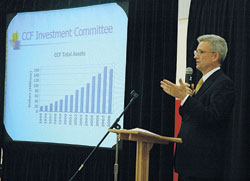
(208, 82)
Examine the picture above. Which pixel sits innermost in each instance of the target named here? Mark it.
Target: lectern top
(139, 134)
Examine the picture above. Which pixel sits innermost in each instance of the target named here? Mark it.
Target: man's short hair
(218, 44)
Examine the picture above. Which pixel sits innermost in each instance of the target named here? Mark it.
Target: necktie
(198, 86)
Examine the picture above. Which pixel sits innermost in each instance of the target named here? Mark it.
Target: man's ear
(216, 57)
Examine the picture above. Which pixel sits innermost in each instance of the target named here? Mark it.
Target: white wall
(182, 39)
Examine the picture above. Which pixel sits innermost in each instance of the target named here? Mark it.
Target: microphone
(188, 77)
(134, 94)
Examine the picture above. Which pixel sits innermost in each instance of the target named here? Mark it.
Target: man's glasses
(199, 52)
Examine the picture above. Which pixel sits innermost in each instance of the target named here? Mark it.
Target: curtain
(152, 44)
(231, 20)
(151, 56)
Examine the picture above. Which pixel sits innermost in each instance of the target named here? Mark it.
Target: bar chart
(84, 102)
(75, 95)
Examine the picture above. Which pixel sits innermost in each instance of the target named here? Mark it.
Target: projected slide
(65, 74)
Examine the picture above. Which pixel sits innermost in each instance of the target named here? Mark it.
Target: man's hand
(189, 89)
(177, 91)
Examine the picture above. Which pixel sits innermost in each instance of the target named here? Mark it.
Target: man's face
(204, 57)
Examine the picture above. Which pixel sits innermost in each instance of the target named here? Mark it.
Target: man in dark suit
(205, 114)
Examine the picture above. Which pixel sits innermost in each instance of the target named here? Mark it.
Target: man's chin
(197, 67)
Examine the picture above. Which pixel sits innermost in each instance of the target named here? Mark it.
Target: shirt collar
(205, 77)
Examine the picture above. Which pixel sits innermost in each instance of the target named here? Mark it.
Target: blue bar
(61, 105)
(51, 107)
(87, 98)
(66, 104)
(98, 93)
(110, 91)
(56, 106)
(76, 100)
(41, 108)
(82, 100)
(46, 108)
(93, 95)
(104, 90)
(71, 103)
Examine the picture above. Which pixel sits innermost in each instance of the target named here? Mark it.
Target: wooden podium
(145, 141)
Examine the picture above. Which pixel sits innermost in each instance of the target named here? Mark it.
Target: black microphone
(134, 94)
(188, 78)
